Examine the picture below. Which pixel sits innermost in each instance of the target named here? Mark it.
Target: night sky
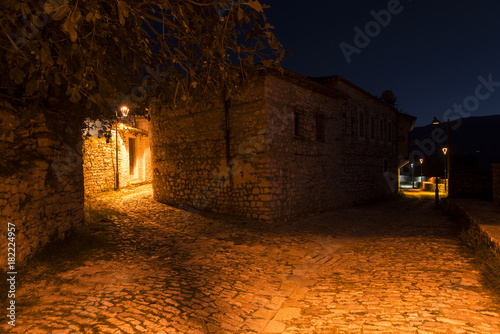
(430, 54)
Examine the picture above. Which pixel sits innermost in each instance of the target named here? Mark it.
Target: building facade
(100, 151)
(286, 147)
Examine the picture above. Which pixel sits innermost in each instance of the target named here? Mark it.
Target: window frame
(297, 124)
(372, 126)
(319, 120)
(361, 125)
(381, 129)
(390, 132)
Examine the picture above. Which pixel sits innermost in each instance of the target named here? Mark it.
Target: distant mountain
(474, 141)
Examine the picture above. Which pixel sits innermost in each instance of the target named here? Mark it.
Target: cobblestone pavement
(395, 267)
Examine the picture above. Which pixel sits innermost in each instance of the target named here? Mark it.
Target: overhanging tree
(84, 58)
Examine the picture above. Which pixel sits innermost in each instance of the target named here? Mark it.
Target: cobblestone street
(394, 267)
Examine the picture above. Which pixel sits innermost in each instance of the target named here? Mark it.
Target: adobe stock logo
(372, 29)
(426, 148)
(471, 103)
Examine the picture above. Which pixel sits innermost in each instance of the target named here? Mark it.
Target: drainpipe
(448, 159)
(227, 135)
(117, 167)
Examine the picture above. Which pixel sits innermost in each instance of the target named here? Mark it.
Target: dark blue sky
(430, 54)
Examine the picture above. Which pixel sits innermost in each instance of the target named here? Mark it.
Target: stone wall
(99, 160)
(496, 183)
(41, 180)
(343, 167)
(292, 150)
(210, 159)
(470, 184)
(98, 165)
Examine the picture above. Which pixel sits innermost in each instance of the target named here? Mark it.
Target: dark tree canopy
(88, 57)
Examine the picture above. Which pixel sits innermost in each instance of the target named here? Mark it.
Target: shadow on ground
(140, 259)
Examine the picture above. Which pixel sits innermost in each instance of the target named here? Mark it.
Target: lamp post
(412, 177)
(421, 163)
(124, 112)
(448, 156)
(435, 125)
(445, 150)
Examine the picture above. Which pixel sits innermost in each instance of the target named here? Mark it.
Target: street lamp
(421, 163)
(448, 156)
(124, 112)
(412, 177)
(445, 150)
(435, 126)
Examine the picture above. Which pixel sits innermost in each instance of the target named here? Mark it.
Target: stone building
(99, 156)
(286, 146)
(41, 181)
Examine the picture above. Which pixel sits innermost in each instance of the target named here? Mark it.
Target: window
(347, 119)
(297, 124)
(385, 129)
(372, 127)
(353, 125)
(389, 131)
(361, 124)
(381, 127)
(320, 128)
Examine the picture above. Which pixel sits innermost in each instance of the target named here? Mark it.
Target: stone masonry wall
(369, 158)
(276, 172)
(496, 183)
(310, 175)
(99, 161)
(185, 149)
(41, 182)
(470, 184)
(249, 182)
(190, 160)
(302, 169)
(99, 165)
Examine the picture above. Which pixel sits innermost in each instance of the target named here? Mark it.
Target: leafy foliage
(87, 57)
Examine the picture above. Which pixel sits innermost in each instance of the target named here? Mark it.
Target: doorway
(132, 156)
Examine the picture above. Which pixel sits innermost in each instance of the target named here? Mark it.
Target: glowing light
(435, 122)
(445, 149)
(124, 110)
